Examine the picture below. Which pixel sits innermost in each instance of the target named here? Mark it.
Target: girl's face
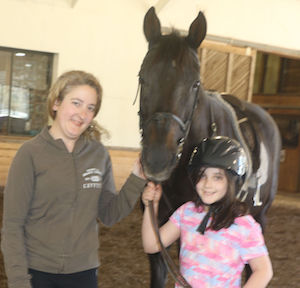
(75, 113)
(212, 185)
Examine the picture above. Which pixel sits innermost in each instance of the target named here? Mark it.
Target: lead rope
(172, 268)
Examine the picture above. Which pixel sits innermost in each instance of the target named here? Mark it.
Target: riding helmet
(222, 152)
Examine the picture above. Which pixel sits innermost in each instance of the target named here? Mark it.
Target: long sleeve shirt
(53, 200)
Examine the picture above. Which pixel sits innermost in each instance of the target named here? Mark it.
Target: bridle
(184, 126)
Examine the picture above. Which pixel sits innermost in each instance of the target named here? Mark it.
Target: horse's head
(169, 79)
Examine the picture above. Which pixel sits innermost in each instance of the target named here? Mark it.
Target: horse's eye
(196, 85)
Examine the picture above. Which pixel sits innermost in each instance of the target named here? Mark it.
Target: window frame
(8, 130)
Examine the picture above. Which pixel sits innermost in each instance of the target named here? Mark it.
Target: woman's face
(212, 185)
(75, 113)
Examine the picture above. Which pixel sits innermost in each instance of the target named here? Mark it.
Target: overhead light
(20, 54)
(28, 65)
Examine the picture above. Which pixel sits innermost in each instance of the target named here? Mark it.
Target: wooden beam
(229, 73)
(284, 52)
(252, 74)
(283, 101)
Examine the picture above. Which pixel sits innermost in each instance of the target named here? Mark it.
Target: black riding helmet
(222, 152)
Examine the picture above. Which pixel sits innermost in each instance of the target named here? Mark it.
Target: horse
(176, 113)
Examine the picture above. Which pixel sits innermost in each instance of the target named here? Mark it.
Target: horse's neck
(209, 111)
(201, 120)
(222, 115)
(210, 115)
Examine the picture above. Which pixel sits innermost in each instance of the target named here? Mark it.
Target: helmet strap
(202, 227)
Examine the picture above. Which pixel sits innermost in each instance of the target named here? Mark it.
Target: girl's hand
(152, 192)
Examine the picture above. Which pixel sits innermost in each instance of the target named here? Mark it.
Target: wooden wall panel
(122, 161)
(279, 101)
(240, 76)
(289, 174)
(213, 69)
(7, 152)
(225, 68)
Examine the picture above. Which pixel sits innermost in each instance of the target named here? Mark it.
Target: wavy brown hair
(64, 85)
(228, 208)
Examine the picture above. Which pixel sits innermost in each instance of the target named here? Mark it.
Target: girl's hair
(64, 85)
(226, 209)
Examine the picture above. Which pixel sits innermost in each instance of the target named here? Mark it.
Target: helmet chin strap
(212, 208)
(202, 227)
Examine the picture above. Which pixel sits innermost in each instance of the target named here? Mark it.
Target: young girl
(218, 236)
(59, 184)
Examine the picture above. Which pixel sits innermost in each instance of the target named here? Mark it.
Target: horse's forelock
(173, 48)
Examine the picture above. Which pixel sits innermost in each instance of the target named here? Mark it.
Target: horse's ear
(197, 31)
(151, 26)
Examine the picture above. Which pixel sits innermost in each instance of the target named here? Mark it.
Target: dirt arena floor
(125, 265)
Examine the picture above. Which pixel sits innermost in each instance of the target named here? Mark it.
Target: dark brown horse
(176, 113)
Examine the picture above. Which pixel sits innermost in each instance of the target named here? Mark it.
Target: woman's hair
(64, 85)
(226, 209)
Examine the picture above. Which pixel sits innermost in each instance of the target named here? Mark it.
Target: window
(276, 75)
(25, 78)
(277, 89)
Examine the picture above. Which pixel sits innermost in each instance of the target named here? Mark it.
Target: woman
(218, 236)
(59, 184)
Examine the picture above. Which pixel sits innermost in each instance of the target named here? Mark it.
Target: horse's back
(265, 126)
(269, 140)
(262, 138)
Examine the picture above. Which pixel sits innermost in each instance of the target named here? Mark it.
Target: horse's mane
(172, 46)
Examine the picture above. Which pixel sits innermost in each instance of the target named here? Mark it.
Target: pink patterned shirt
(217, 258)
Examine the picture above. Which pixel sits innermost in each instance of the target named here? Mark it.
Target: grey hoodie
(52, 201)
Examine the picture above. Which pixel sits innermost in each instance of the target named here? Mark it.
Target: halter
(184, 126)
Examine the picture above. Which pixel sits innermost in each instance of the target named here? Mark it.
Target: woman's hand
(137, 169)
